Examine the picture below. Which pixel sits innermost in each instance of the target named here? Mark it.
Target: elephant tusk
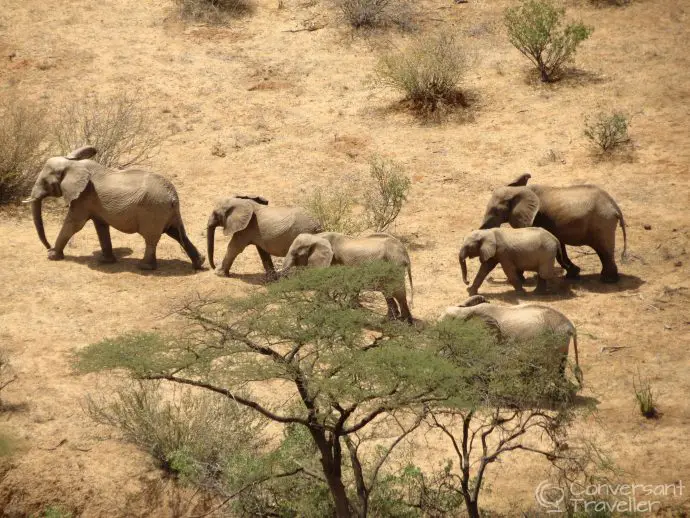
(28, 200)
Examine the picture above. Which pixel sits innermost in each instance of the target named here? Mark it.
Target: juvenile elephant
(130, 201)
(521, 322)
(330, 248)
(516, 249)
(251, 222)
(577, 215)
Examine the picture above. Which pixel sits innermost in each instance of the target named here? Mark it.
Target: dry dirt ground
(296, 110)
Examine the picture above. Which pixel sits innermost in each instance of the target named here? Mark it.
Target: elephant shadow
(127, 264)
(256, 279)
(590, 282)
(558, 290)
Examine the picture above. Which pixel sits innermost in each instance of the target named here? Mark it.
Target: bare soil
(293, 109)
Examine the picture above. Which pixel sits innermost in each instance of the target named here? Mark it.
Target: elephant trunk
(287, 264)
(490, 222)
(36, 205)
(463, 265)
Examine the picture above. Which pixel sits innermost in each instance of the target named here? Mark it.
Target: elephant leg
(520, 275)
(180, 235)
(73, 223)
(401, 299)
(149, 261)
(484, 270)
(573, 271)
(541, 285)
(609, 272)
(513, 279)
(393, 311)
(103, 231)
(267, 261)
(235, 248)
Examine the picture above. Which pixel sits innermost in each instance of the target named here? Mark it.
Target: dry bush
(212, 11)
(120, 127)
(534, 28)
(427, 73)
(23, 133)
(376, 13)
(608, 131)
(192, 435)
(384, 199)
(333, 209)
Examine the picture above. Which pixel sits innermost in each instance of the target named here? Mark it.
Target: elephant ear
(520, 181)
(254, 197)
(82, 153)
(488, 247)
(74, 182)
(239, 217)
(320, 253)
(525, 205)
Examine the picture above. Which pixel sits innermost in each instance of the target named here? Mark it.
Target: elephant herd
(543, 220)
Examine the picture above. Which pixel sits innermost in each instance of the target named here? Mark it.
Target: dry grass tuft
(212, 11)
(376, 13)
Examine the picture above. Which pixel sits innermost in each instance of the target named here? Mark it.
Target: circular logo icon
(549, 496)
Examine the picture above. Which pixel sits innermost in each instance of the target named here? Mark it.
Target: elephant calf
(130, 201)
(330, 248)
(516, 249)
(521, 322)
(251, 221)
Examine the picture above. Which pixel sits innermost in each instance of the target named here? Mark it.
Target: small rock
(648, 227)
(678, 263)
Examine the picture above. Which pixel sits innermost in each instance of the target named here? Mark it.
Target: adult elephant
(577, 215)
(251, 221)
(130, 201)
(334, 248)
(523, 322)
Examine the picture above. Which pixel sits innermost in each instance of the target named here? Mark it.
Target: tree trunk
(472, 507)
(332, 471)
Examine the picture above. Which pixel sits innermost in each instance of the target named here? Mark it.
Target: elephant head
(60, 176)
(464, 310)
(515, 204)
(480, 243)
(308, 250)
(234, 215)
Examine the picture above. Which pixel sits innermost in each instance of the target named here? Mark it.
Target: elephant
(516, 249)
(334, 248)
(521, 322)
(251, 221)
(577, 215)
(130, 201)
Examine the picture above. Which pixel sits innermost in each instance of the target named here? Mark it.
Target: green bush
(534, 28)
(607, 131)
(212, 11)
(333, 209)
(645, 397)
(192, 435)
(427, 73)
(23, 132)
(120, 128)
(375, 13)
(384, 199)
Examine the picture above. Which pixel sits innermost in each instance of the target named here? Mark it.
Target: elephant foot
(55, 255)
(222, 273)
(610, 278)
(147, 265)
(573, 272)
(107, 259)
(198, 263)
(472, 291)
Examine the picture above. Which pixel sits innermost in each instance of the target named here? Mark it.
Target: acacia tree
(300, 353)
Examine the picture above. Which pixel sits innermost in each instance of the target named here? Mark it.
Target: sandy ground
(294, 110)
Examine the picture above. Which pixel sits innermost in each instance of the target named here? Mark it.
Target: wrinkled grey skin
(129, 201)
(577, 215)
(521, 322)
(516, 250)
(251, 221)
(327, 248)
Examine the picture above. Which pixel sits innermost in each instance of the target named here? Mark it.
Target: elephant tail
(578, 370)
(409, 276)
(621, 221)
